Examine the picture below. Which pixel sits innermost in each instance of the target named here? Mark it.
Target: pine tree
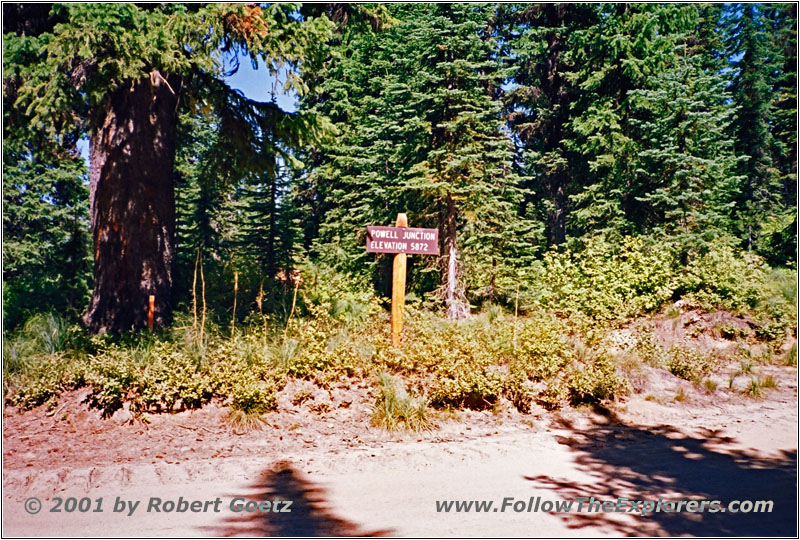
(754, 63)
(780, 246)
(121, 73)
(622, 53)
(420, 132)
(539, 106)
(685, 170)
(783, 44)
(269, 235)
(46, 256)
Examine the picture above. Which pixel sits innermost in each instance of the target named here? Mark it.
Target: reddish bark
(133, 205)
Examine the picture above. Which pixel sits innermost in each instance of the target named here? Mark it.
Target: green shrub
(610, 280)
(116, 376)
(753, 389)
(555, 394)
(768, 382)
(688, 364)
(39, 379)
(615, 281)
(729, 331)
(595, 382)
(165, 370)
(779, 298)
(43, 333)
(650, 352)
(517, 389)
(252, 398)
(466, 384)
(341, 297)
(36, 364)
(791, 356)
(723, 278)
(322, 348)
(540, 347)
(772, 333)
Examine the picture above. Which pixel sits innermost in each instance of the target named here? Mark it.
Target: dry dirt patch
(349, 478)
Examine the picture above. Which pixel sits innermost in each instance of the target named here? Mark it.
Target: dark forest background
(519, 130)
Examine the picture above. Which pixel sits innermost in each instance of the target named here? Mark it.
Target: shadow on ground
(310, 515)
(647, 463)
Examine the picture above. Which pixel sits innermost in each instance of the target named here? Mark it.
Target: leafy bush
(540, 347)
(38, 379)
(321, 348)
(594, 382)
(518, 389)
(610, 281)
(36, 367)
(252, 398)
(602, 282)
(340, 331)
(468, 385)
(650, 352)
(688, 364)
(723, 278)
(342, 297)
(474, 363)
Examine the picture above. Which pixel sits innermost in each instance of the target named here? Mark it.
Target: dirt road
(345, 478)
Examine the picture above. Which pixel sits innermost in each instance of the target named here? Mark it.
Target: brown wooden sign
(402, 240)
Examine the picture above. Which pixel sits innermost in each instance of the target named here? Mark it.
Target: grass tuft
(769, 382)
(396, 409)
(753, 389)
(791, 356)
(242, 421)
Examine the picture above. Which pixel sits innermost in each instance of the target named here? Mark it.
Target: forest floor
(668, 440)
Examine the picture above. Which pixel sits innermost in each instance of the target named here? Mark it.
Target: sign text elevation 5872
(402, 240)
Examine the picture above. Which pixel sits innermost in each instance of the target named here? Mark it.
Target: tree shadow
(644, 463)
(309, 514)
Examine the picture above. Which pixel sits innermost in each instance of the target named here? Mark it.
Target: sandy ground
(346, 478)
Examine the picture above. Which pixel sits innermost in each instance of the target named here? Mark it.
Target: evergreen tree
(783, 44)
(540, 102)
(781, 234)
(754, 63)
(631, 44)
(120, 73)
(685, 171)
(269, 235)
(418, 111)
(46, 256)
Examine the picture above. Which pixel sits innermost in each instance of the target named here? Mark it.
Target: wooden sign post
(402, 241)
(398, 287)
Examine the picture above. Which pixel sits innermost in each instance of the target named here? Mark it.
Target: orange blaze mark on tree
(150, 310)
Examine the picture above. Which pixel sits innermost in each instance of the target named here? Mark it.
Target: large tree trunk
(557, 215)
(558, 100)
(133, 206)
